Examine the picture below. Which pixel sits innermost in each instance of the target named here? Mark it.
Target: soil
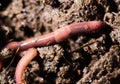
(80, 59)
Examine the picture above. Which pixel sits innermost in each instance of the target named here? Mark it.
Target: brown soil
(81, 59)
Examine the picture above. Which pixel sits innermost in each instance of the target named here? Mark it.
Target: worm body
(59, 35)
(24, 61)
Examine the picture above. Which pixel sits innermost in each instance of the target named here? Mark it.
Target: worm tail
(24, 61)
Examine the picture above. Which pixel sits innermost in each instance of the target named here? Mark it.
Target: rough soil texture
(81, 59)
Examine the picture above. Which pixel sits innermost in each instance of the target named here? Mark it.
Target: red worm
(58, 35)
(24, 61)
(51, 38)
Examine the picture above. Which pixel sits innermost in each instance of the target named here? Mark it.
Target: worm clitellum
(59, 35)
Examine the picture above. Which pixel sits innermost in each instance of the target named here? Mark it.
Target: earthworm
(28, 55)
(57, 36)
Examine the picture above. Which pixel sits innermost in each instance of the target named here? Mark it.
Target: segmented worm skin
(59, 35)
(24, 61)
